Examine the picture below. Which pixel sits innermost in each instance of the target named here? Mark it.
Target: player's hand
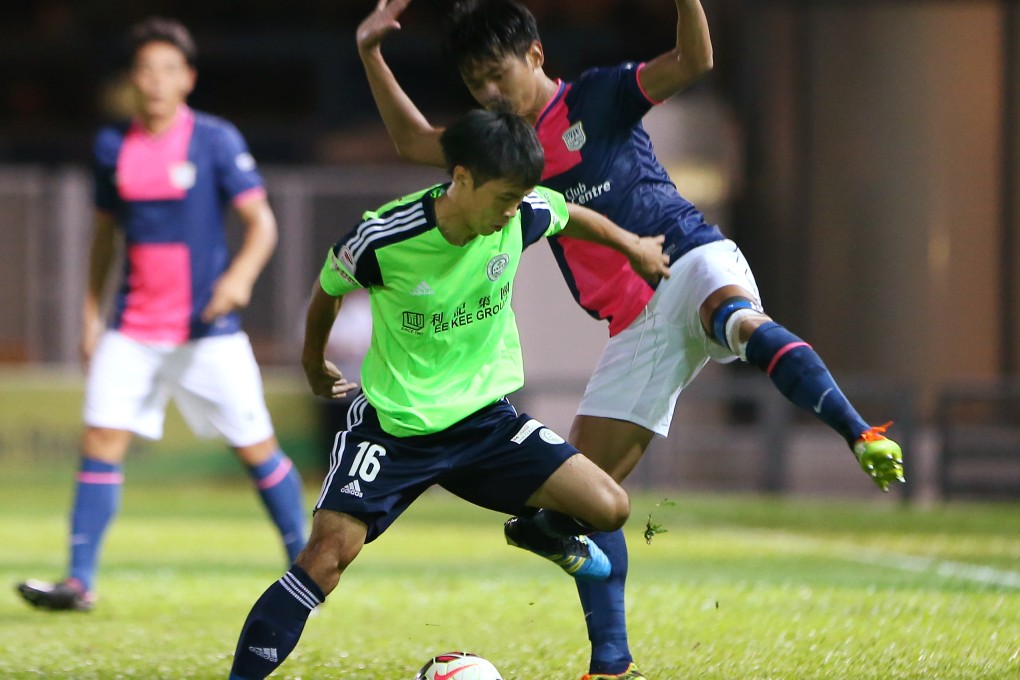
(92, 329)
(648, 260)
(379, 24)
(232, 291)
(327, 381)
(883, 463)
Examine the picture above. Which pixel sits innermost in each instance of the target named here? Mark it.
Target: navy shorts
(494, 458)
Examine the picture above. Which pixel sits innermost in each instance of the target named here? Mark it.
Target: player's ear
(462, 177)
(189, 84)
(535, 56)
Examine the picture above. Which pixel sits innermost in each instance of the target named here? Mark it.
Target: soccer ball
(458, 666)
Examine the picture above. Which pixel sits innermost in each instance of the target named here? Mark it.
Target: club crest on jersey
(497, 266)
(182, 175)
(574, 137)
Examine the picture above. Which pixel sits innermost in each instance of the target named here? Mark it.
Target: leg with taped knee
(792, 364)
(727, 320)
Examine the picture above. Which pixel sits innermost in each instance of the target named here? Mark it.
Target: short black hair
(482, 30)
(160, 29)
(494, 145)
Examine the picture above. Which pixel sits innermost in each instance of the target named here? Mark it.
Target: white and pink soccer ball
(458, 666)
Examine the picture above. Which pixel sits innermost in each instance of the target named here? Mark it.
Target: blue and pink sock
(279, 486)
(801, 376)
(96, 502)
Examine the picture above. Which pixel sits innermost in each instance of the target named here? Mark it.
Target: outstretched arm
(412, 134)
(669, 73)
(644, 252)
(323, 376)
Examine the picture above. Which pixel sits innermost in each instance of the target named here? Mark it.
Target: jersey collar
(561, 87)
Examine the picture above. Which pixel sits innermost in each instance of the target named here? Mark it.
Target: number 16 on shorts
(366, 463)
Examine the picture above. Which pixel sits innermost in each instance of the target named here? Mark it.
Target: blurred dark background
(863, 153)
(286, 73)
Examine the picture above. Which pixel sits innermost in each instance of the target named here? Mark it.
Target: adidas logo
(422, 289)
(353, 489)
(267, 653)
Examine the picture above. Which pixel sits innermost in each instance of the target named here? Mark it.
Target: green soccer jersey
(444, 337)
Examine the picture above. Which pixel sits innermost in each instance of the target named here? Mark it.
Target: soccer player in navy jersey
(163, 183)
(661, 335)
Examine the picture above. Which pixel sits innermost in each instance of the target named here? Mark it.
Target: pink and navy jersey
(597, 154)
(170, 194)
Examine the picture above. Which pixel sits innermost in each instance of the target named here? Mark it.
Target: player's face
(493, 205)
(507, 82)
(162, 79)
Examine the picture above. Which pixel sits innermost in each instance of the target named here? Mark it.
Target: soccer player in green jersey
(439, 266)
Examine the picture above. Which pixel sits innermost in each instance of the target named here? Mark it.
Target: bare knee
(332, 546)
(106, 444)
(614, 509)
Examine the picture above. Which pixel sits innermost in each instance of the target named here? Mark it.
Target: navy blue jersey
(169, 193)
(599, 155)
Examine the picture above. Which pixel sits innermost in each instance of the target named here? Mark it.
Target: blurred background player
(598, 154)
(439, 265)
(163, 182)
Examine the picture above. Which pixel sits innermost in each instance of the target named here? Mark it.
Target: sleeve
(543, 214)
(620, 92)
(104, 170)
(348, 268)
(238, 178)
(335, 277)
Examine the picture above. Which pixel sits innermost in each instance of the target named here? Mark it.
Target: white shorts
(214, 381)
(644, 367)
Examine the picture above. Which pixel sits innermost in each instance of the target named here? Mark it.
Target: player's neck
(157, 124)
(547, 89)
(450, 220)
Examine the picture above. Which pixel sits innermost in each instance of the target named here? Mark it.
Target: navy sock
(604, 612)
(558, 525)
(274, 625)
(279, 486)
(801, 376)
(96, 501)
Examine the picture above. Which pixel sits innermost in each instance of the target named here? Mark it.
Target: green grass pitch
(737, 588)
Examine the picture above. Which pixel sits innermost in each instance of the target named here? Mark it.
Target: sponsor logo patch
(412, 322)
(550, 437)
(422, 289)
(526, 431)
(245, 162)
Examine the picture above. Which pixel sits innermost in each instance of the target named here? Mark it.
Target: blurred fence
(732, 430)
(45, 226)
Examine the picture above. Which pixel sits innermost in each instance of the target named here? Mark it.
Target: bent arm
(674, 71)
(414, 137)
(323, 376)
(233, 290)
(644, 252)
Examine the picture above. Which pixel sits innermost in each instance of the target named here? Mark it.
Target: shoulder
(607, 75)
(394, 222)
(108, 140)
(217, 129)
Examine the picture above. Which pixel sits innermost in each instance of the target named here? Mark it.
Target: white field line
(975, 573)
